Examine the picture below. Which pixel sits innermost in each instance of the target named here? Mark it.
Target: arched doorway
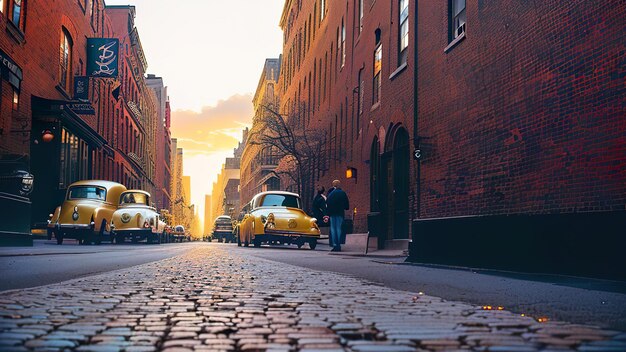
(394, 184)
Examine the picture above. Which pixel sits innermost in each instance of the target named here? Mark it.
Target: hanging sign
(103, 57)
(81, 87)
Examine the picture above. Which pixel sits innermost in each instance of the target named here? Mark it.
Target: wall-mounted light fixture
(351, 172)
(47, 136)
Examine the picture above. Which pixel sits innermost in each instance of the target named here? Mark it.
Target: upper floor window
(65, 63)
(323, 8)
(343, 43)
(17, 13)
(404, 31)
(457, 18)
(360, 16)
(378, 65)
(1, 5)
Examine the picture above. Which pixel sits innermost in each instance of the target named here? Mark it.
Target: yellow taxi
(86, 212)
(277, 217)
(136, 219)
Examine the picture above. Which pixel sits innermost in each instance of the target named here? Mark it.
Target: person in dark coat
(319, 206)
(336, 204)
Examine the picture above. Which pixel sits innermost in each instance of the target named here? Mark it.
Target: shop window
(343, 43)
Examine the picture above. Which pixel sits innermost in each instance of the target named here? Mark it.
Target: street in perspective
(312, 175)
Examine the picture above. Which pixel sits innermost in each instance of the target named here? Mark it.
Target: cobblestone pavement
(211, 300)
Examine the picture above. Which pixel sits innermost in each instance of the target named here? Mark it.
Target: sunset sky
(210, 54)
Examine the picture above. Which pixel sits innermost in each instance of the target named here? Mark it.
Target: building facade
(523, 130)
(347, 75)
(63, 123)
(225, 196)
(163, 176)
(258, 162)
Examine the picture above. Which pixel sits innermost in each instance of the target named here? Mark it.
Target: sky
(210, 54)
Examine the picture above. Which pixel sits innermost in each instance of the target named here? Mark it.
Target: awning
(60, 110)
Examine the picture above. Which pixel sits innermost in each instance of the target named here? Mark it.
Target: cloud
(207, 138)
(216, 128)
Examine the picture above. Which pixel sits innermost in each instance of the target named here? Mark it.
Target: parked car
(179, 234)
(86, 213)
(223, 229)
(277, 217)
(136, 219)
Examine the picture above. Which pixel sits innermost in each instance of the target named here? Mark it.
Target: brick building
(39, 100)
(347, 73)
(521, 111)
(162, 175)
(46, 122)
(137, 122)
(259, 162)
(500, 139)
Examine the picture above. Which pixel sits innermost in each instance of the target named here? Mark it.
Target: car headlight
(75, 214)
(314, 224)
(270, 221)
(263, 219)
(125, 217)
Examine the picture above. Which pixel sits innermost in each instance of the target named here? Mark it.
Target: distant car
(277, 217)
(86, 213)
(136, 220)
(223, 229)
(179, 234)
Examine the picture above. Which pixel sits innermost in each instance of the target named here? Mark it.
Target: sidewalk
(359, 251)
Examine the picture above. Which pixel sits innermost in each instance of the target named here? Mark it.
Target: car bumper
(70, 230)
(284, 233)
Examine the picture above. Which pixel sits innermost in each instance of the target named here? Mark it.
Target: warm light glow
(350, 172)
(47, 136)
(542, 320)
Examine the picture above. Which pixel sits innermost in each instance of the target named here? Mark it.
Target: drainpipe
(416, 138)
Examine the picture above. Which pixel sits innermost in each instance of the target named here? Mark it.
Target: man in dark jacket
(336, 204)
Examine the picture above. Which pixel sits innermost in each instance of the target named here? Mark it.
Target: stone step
(397, 244)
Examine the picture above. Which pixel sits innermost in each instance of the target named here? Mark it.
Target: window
(17, 13)
(360, 16)
(16, 99)
(343, 43)
(457, 18)
(65, 63)
(322, 10)
(1, 5)
(360, 91)
(404, 32)
(378, 65)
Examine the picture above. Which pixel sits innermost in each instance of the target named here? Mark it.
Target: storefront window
(74, 159)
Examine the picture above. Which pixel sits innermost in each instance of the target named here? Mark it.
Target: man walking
(336, 204)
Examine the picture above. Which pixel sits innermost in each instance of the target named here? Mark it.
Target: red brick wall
(349, 146)
(38, 56)
(527, 114)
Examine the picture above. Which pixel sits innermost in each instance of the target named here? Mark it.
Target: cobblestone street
(211, 300)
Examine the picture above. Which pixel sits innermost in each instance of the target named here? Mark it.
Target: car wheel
(59, 237)
(312, 244)
(238, 240)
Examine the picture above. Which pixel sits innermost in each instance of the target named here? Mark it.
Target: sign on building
(103, 57)
(81, 87)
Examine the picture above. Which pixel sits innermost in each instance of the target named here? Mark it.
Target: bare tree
(299, 148)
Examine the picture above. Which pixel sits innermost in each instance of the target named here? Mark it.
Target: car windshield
(87, 192)
(281, 200)
(134, 198)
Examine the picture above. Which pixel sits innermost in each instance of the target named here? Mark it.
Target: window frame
(403, 31)
(377, 73)
(456, 17)
(65, 71)
(21, 23)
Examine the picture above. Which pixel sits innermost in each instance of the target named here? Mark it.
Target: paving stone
(244, 303)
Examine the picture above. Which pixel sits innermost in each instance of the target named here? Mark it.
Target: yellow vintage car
(136, 219)
(277, 217)
(86, 213)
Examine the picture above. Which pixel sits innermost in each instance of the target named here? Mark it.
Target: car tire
(312, 244)
(238, 240)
